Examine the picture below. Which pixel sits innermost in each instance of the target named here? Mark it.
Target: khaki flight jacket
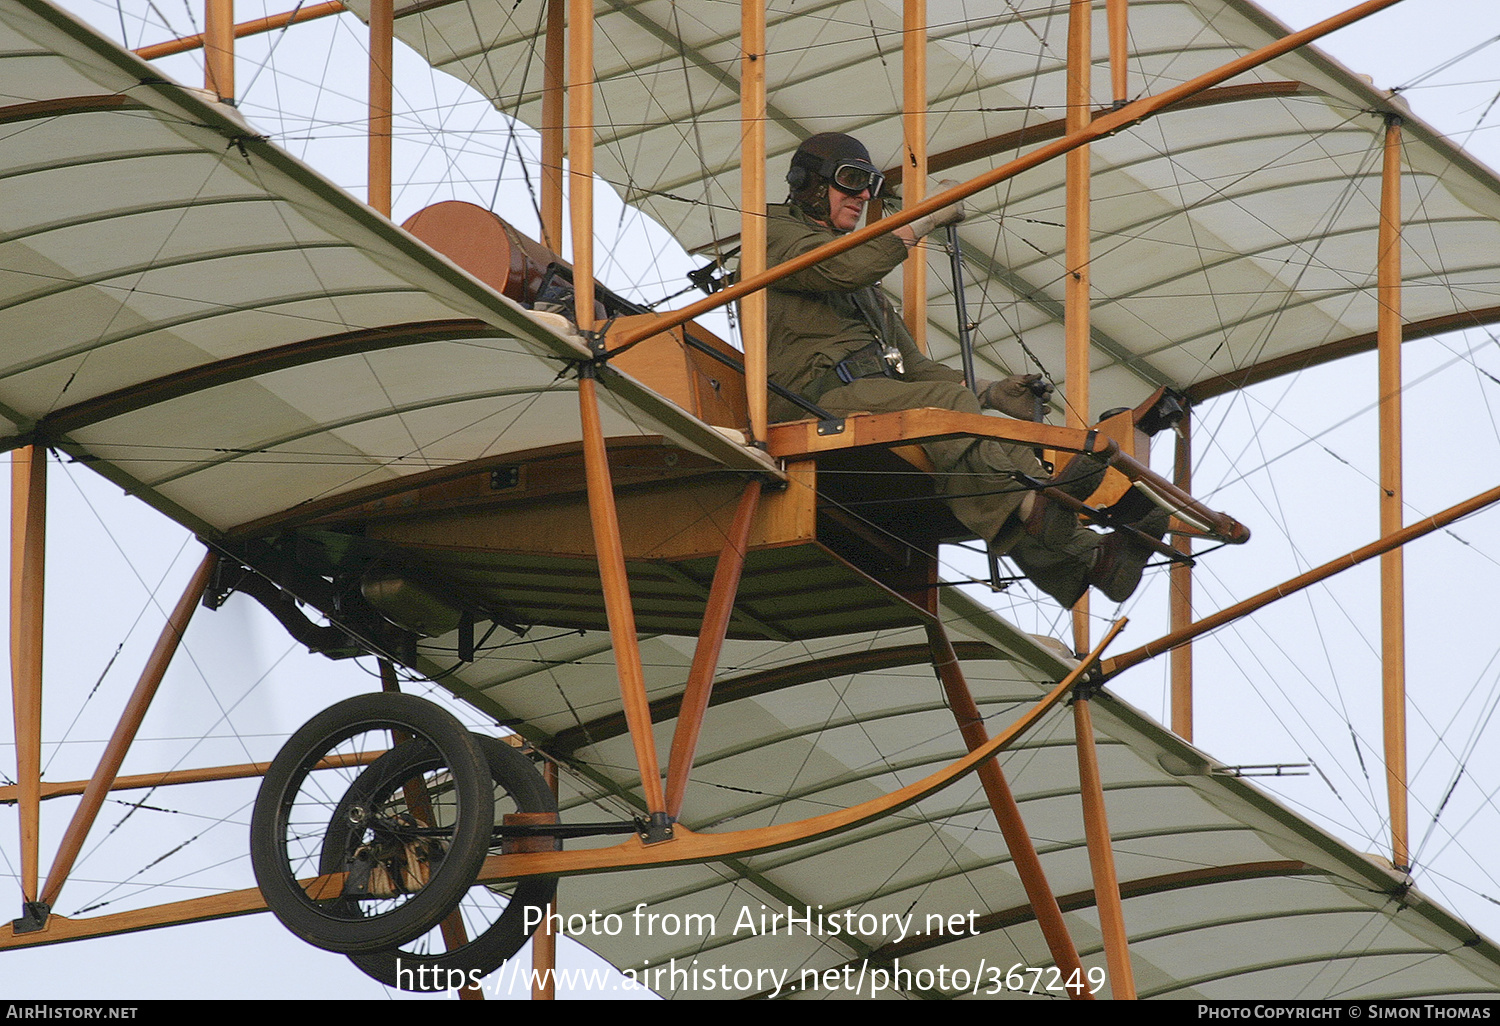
(812, 319)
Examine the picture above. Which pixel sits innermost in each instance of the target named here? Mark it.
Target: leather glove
(942, 218)
(1016, 395)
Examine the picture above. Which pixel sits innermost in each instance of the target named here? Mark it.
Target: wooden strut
(382, 36)
(685, 847)
(143, 781)
(1181, 601)
(716, 616)
(1098, 128)
(28, 545)
(753, 315)
(218, 48)
(1392, 567)
(616, 589)
(603, 515)
(544, 941)
(1077, 338)
(1172, 640)
(1119, 50)
(1045, 131)
(914, 167)
(1102, 857)
(127, 727)
(580, 133)
(1007, 813)
(554, 73)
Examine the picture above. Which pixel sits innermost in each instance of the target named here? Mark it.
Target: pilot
(834, 339)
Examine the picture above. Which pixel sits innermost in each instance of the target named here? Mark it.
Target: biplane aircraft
(738, 704)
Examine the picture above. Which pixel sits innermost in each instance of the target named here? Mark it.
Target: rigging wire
(1479, 725)
(1444, 65)
(150, 602)
(700, 149)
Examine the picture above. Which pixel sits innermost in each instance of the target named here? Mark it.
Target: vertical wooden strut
(616, 588)
(1181, 609)
(544, 941)
(1119, 51)
(711, 636)
(1102, 858)
(1076, 255)
(1007, 813)
(218, 48)
(553, 97)
(382, 32)
(753, 206)
(1392, 568)
(581, 156)
(606, 521)
(28, 543)
(126, 729)
(914, 170)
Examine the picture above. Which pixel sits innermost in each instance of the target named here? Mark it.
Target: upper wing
(1234, 236)
(226, 333)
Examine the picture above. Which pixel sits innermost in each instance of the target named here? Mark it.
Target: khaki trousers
(976, 479)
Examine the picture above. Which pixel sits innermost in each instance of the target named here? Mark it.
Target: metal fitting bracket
(33, 917)
(654, 829)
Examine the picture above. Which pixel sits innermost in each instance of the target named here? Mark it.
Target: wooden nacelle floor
(513, 542)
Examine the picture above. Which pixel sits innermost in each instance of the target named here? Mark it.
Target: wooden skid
(685, 847)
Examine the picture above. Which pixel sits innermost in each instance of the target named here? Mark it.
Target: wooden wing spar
(384, 446)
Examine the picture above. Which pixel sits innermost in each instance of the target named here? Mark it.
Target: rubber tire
(483, 954)
(340, 925)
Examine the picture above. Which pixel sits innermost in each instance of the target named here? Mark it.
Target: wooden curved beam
(238, 368)
(68, 105)
(688, 847)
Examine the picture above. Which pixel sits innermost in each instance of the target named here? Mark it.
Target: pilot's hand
(941, 218)
(1016, 395)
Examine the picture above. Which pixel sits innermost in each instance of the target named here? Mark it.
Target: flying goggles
(855, 179)
(849, 174)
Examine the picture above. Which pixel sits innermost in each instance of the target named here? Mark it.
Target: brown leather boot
(1053, 523)
(1122, 557)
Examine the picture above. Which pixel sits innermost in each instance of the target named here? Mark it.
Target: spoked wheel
(492, 922)
(403, 863)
